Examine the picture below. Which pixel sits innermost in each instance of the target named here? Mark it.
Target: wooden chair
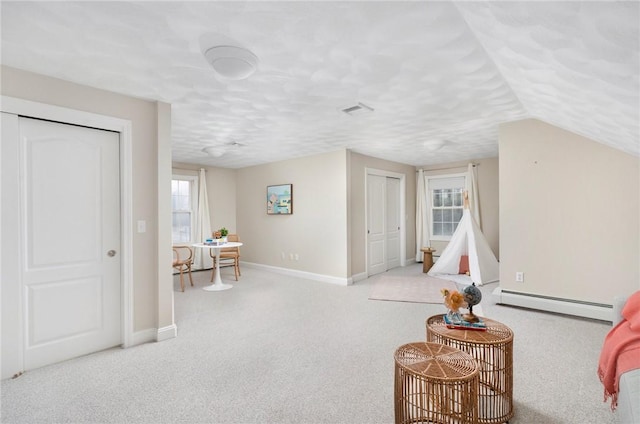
(230, 255)
(182, 261)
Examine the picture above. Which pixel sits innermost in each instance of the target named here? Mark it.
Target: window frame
(430, 190)
(193, 194)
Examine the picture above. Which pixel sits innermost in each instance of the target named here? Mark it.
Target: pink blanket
(621, 350)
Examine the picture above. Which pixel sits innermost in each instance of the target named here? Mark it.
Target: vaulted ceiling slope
(439, 76)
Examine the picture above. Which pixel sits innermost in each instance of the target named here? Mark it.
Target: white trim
(301, 274)
(144, 336)
(359, 277)
(445, 176)
(124, 127)
(166, 333)
(562, 306)
(403, 213)
(151, 335)
(194, 189)
(21, 367)
(12, 341)
(126, 232)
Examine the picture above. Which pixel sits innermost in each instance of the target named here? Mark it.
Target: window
(183, 206)
(446, 210)
(446, 204)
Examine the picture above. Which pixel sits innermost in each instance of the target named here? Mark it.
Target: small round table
(493, 349)
(217, 285)
(435, 383)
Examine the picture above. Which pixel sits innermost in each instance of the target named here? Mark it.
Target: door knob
(111, 253)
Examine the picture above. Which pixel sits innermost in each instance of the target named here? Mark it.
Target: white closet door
(383, 223)
(67, 252)
(393, 222)
(376, 237)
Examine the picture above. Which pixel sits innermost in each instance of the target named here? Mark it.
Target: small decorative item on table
(453, 300)
(472, 295)
(464, 325)
(214, 242)
(223, 235)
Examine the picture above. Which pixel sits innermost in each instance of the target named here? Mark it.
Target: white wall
(326, 229)
(317, 229)
(569, 214)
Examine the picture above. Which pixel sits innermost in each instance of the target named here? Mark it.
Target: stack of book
(214, 242)
(464, 325)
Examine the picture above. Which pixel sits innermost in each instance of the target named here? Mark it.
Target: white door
(66, 272)
(376, 238)
(393, 222)
(383, 223)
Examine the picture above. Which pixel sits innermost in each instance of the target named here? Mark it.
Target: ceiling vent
(359, 109)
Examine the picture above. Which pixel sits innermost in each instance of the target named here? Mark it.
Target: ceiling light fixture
(231, 62)
(434, 145)
(214, 151)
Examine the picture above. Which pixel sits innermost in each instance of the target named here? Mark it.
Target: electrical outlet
(290, 256)
(297, 257)
(519, 277)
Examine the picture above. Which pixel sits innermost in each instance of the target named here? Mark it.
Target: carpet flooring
(410, 288)
(281, 349)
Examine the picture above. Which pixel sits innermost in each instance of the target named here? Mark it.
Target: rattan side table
(435, 383)
(493, 349)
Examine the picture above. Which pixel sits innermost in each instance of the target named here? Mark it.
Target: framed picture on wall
(280, 199)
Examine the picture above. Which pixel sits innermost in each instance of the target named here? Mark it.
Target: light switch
(142, 226)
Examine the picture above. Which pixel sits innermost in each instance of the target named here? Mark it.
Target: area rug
(410, 288)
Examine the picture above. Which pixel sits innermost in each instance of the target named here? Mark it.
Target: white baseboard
(144, 336)
(552, 304)
(302, 274)
(151, 335)
(359, 277)
(166, 333)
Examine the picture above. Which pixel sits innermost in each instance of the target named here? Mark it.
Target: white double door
(383, 223)
(61, 270)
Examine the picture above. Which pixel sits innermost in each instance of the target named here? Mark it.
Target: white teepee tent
(468, 240)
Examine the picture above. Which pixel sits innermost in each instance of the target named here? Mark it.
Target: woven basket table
(493, 349)
(435, 383)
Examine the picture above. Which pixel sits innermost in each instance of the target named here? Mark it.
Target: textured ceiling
(440, 76)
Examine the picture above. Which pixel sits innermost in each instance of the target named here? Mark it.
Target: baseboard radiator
(579, 308)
